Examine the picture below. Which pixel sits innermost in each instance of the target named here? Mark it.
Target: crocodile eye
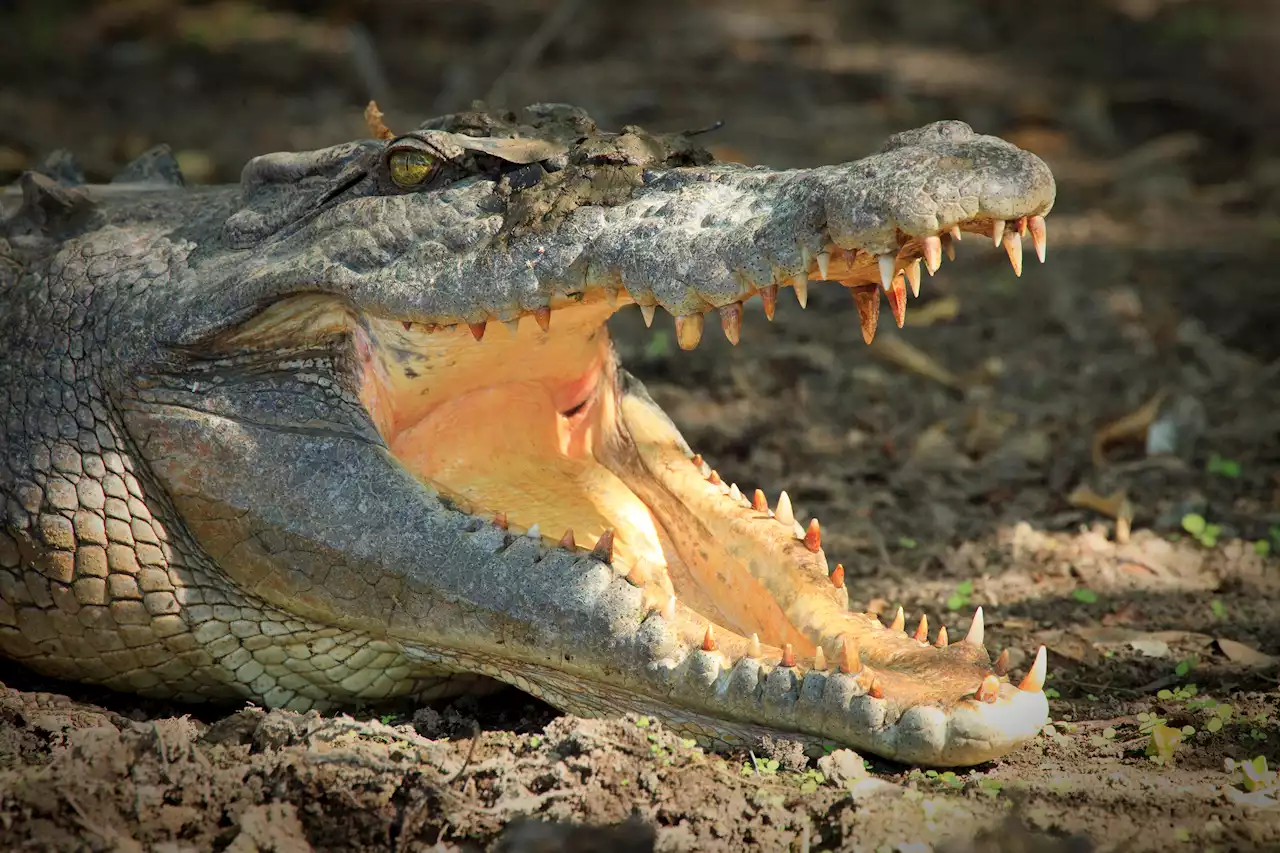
(411, 168)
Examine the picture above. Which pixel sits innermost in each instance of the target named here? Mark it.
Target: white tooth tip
(887, 271)
(533, 532)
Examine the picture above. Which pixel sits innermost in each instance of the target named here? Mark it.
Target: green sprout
(907, 543)
(960, 598)
(1201, 530)
(1223, 467)
(1085, 596)
(1163, 742)
(1219, 609)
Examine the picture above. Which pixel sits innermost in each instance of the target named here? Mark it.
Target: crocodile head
(380, 396)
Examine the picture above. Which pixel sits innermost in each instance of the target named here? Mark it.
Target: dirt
(952, 463)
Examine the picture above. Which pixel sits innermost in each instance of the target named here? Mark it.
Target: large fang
(769, 298)
(709, 641)
(647, 311)
(989, 690)
(976, 631)
(1001, 666)
(1039, 236)
(899, 621)
(783, 513)
(477, 330)
(868, 301)
(932, 253)
(850, 662)
(759, 502)
(813, 536)
(941, 642)
(1033, 682)
(824, 261)
(753, 648)
(1013, 245)
(689, 330)
(603, 551)
(887, 270)
(731, 321)
(898, 301)
(997, 232)
(801, 287)
(912, 271)
(543, 316)
(922, 630)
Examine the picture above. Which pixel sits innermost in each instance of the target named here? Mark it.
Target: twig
(475, 739)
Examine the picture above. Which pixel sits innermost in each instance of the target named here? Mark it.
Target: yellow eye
(410, 168)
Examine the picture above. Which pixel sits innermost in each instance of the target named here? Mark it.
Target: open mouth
(535, 428)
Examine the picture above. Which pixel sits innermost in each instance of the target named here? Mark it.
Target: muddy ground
(963, 460)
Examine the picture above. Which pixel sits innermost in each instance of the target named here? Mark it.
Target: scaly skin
(252, 447)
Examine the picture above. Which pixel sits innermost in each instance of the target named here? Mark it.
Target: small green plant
(1163, 742)
(946, 778)
(535, 741)
(1185, 666)
(1223, 467)
(759, 767)
(643, 722)
(387, 718)
(907, 543)
(1201, 530)
(810, 780)
(1252, 774)
(960, 597)
(990, 787)
(1084, 596)
(1178, 694)
(1052, 693)
(1219, 609)
(1262, 547)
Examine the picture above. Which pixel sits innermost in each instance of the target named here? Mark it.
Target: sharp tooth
(783, 513)
(753, 648)
(696, 460)
(709, 641)
(850, 661)
(648, 312)
(1022, 226)
(1034, 680)
(1013, 245)
(534, 532)
(566, 541)
(669, 609)
(801, 287)
(543, 317)
(989, 690)
(500, 520)
(512, 326)
(912, 271)
(603, 551)
(813, 536)
(922, 630)
(769, 297)
(887, 269)
(759, 502)
(714, 477)
(975, 635)
(941, 642)
(820, 660)
(731, 321)
(477, 330)
(997, 232)
(899, 621)
(876, 690)
(806, 259)
(898, 301)
(734, 493)
(932, 253)
(951, 250)
(868, 301)
(408, 324)
(689, 330)
(955, 233)
(824, 262)
(797, 530)
(1039, 236)
(1001, 666)
(837, 576)
(788, 656)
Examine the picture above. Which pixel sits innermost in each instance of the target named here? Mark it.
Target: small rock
(842, 767)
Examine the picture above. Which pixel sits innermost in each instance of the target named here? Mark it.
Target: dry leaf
(1244, 655)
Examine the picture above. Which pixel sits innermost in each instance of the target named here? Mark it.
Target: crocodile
(353, 429)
